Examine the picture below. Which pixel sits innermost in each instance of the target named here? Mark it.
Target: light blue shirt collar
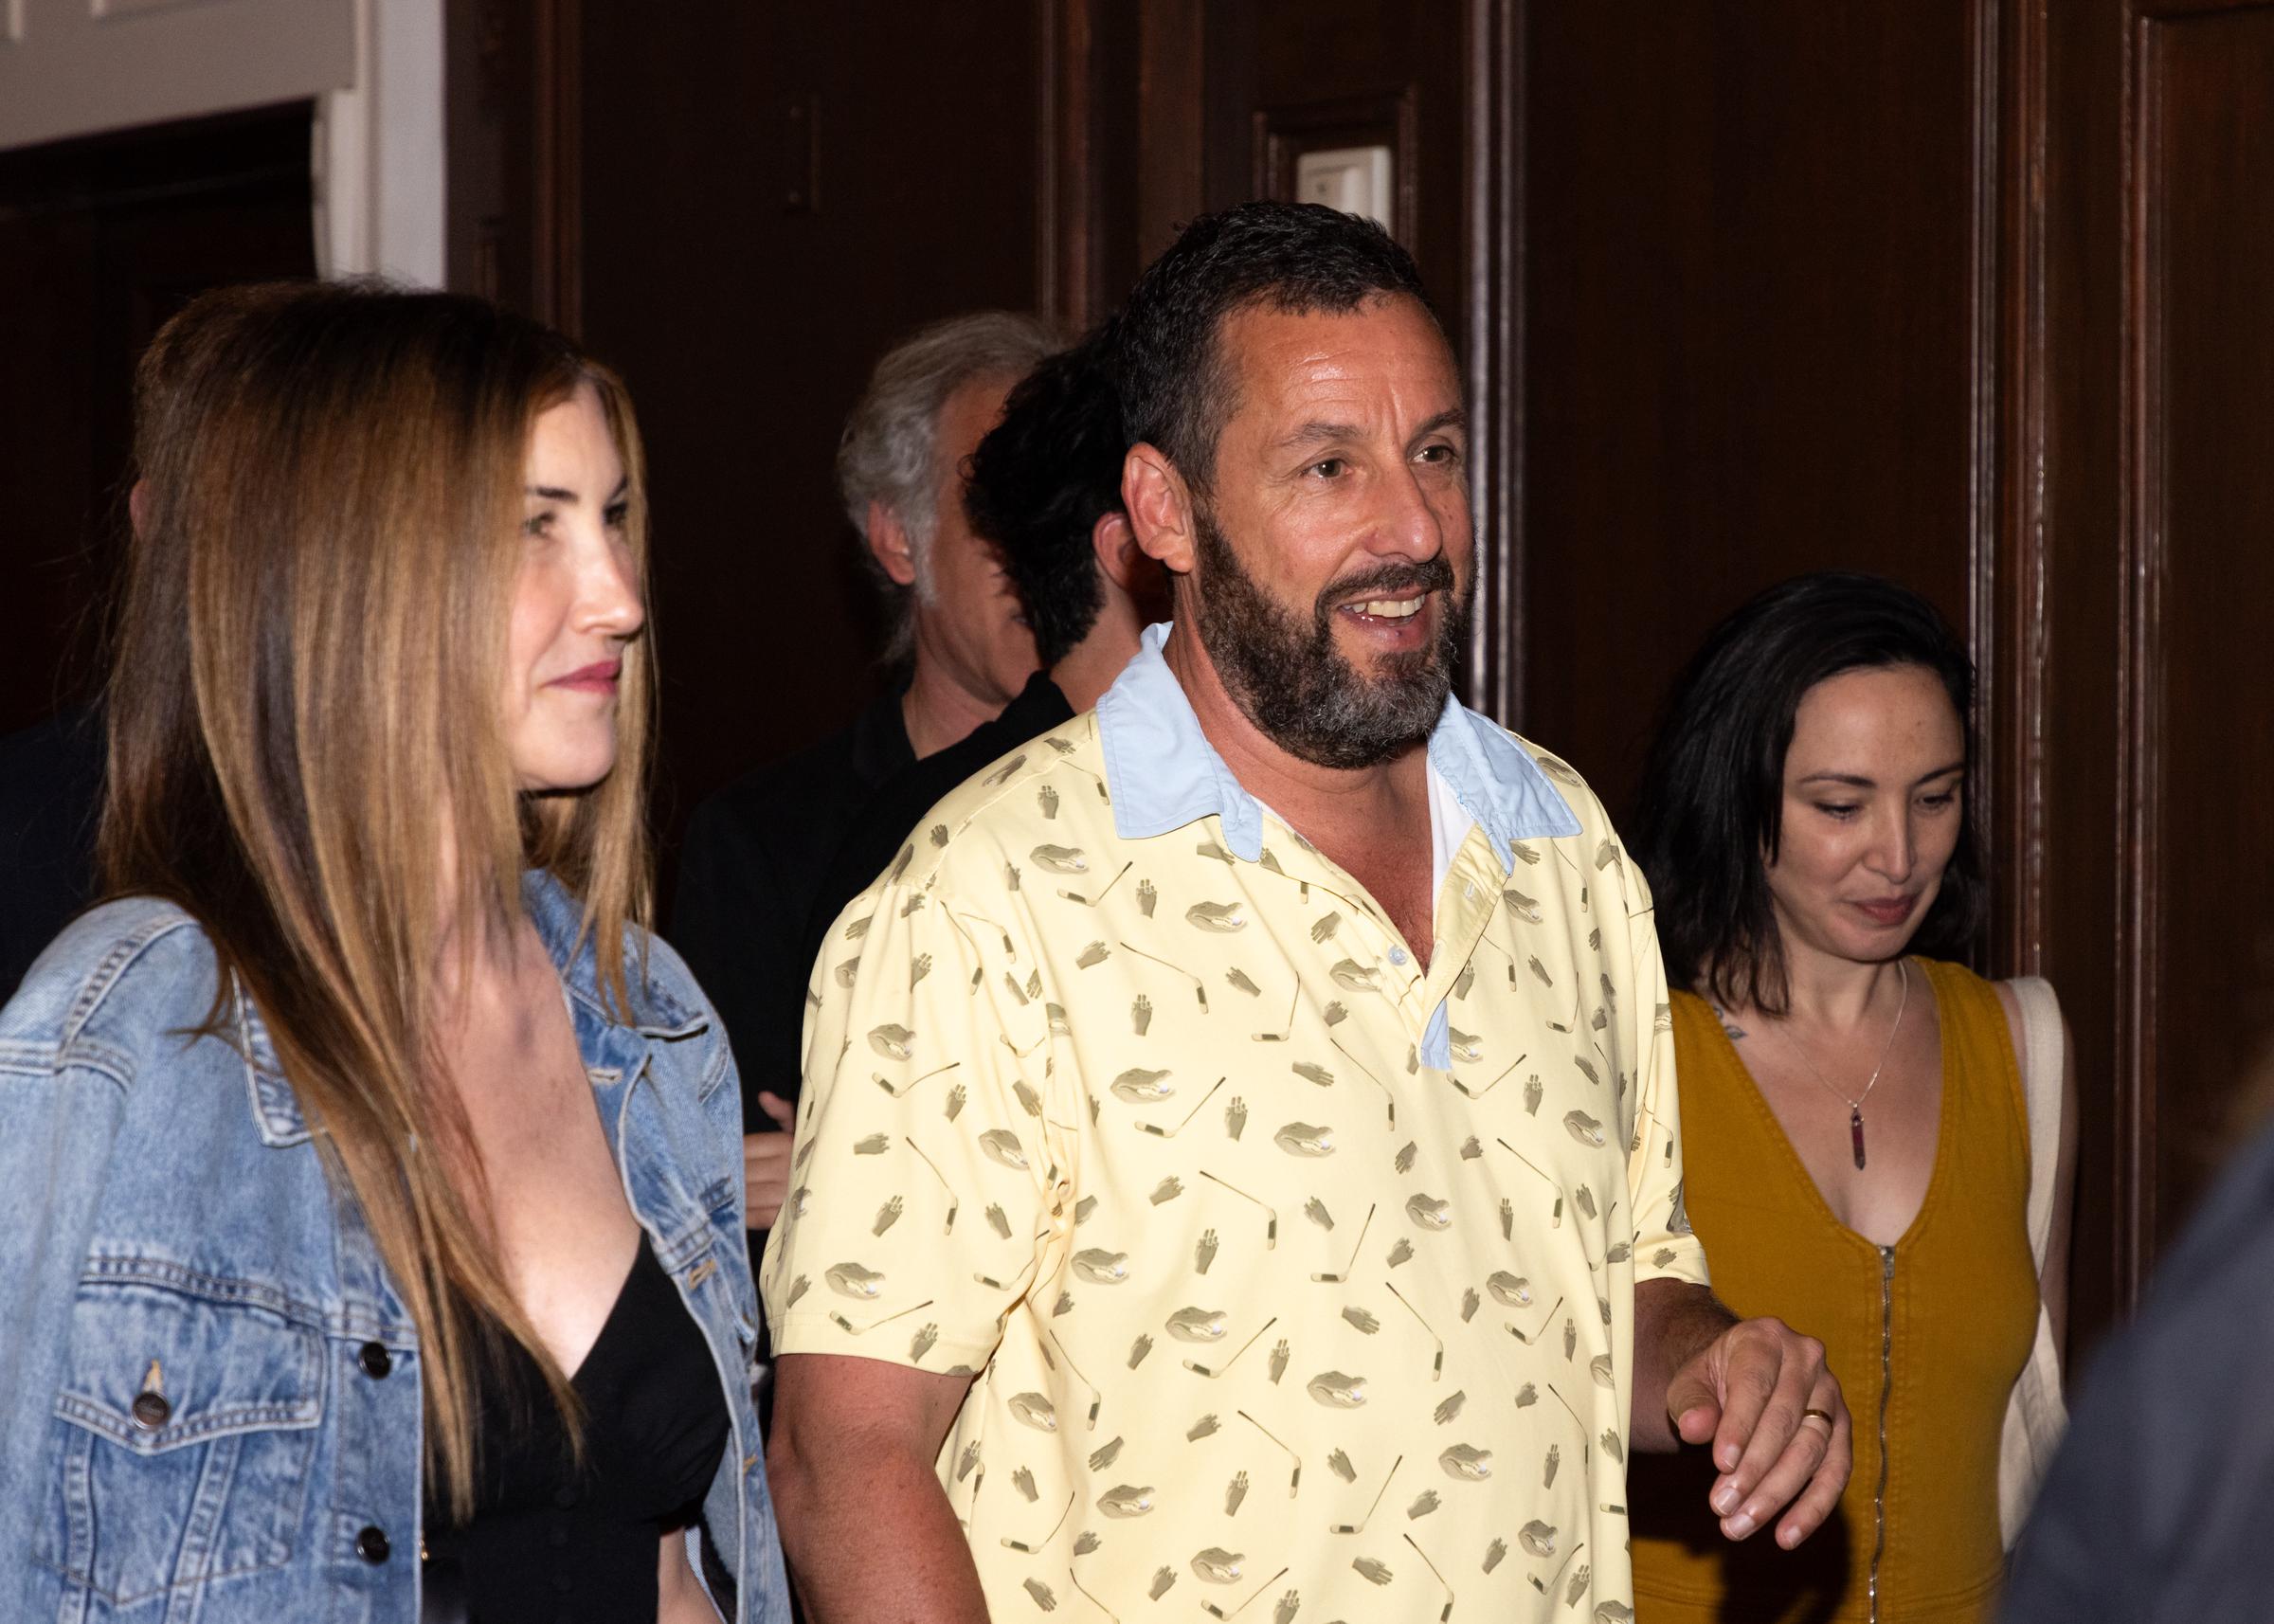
(1164, 774)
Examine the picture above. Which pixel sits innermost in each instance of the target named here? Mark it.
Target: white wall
(374, 67)
(379, 156)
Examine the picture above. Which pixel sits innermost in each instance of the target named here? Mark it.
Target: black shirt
(553, 1542)
(50, 798)
(750, 874)
(870, 846)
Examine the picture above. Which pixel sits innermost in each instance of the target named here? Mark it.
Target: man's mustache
(1388, 581)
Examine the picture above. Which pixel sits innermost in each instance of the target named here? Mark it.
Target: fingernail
(1740, 1525)
(1788, 1538)
(1725, 1499)
(1729, 1458)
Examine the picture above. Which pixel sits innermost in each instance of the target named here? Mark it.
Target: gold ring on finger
(1812, 1414)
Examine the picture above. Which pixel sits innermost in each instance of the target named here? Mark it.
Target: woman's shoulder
(1700, 1025)
(1952, 978)
(117, 972)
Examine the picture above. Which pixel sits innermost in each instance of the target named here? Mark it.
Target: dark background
(1976, 292)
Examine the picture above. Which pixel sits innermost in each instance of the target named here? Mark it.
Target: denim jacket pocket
(184, 1434)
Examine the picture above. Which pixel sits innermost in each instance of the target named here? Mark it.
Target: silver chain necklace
(1855, 1106)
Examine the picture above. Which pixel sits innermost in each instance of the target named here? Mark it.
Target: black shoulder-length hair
(1711, 806)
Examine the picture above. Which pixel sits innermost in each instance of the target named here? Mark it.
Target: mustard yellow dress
(1926, 1337)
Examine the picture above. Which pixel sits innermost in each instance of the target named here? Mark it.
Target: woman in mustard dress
(1854, 1120)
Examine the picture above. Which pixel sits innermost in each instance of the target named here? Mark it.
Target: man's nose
(1409, 523)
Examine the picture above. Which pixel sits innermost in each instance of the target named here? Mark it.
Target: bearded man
(1240, 1153)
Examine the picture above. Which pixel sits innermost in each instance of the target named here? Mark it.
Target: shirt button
(557, 1538)
(563, 1583)
(371, 1545)
(563, 1497)
(1396, 955)
(151, 1411)
(375, 1360)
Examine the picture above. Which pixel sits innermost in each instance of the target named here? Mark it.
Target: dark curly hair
(1039, 482)
(1289, 257)
(1711, 807)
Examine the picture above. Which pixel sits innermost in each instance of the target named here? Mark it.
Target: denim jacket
(209, 1390)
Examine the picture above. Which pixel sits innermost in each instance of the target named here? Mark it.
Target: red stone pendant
(1856, 1132)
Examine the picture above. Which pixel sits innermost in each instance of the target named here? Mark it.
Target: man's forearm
(1674, 1321)
(870, 1536)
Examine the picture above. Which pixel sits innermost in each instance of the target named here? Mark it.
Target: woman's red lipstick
(598, 678)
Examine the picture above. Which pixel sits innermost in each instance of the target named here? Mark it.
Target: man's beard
(1290, 680)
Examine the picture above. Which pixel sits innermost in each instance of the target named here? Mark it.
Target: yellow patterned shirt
(1290, 1277)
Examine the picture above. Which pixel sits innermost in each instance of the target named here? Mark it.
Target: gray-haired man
(757, 852)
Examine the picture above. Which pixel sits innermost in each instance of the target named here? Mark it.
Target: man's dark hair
(1712, 801)
(1294, 258)
(1039, 482)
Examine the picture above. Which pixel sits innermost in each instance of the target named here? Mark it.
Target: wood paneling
(2201, 288)
(514, 106)
(746, 320)
(1750, 347)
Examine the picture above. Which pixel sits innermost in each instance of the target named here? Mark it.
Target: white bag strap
(2043, 1061)
(2035, 1415)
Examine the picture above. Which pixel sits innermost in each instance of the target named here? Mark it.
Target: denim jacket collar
(611, 1049)
(1164, 774)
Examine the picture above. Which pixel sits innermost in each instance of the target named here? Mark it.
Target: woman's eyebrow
(562, 493)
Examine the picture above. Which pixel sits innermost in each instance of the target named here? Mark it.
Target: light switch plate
(1353, 179)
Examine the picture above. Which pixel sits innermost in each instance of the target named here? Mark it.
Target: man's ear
(1160, 507)
(1119, 558)
(888, 541)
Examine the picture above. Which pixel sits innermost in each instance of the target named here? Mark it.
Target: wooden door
(100, 241)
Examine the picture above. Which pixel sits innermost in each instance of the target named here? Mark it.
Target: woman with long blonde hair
(370, 1179)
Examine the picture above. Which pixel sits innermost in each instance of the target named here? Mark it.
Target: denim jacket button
(371, 1545)
(151, 1411)
(375, 1360)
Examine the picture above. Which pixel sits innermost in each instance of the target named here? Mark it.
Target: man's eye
(1330, 468)
(1441, 455)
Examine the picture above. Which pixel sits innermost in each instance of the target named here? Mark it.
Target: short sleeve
(926, 1184)
(1665, 1246)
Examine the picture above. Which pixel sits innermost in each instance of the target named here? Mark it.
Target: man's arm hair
(865, 1524)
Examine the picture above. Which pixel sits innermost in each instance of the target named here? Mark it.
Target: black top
(2156, 1507)
(870, 846)
(554, 1542)
(50, 796)
(751, 871)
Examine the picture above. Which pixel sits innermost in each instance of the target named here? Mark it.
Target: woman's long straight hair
(305, 741)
